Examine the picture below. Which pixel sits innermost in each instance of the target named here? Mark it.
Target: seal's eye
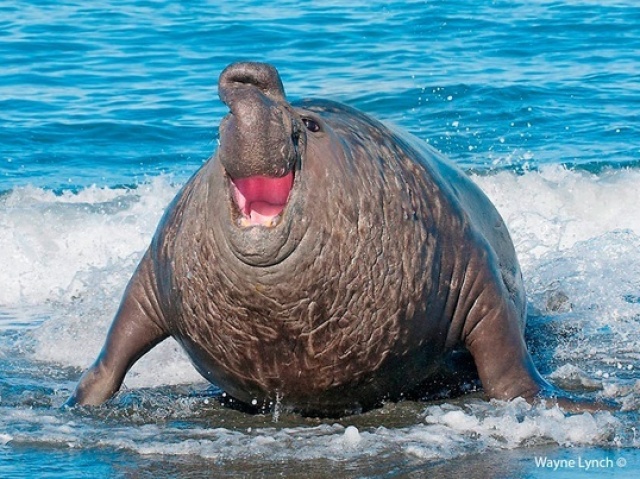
(311, 125)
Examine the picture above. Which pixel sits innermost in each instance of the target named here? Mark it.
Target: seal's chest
(286, 332)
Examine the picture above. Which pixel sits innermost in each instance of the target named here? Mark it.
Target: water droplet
(352, 436)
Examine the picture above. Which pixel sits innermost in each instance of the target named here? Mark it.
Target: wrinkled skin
(325, 261)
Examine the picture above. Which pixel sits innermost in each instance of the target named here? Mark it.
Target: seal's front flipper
(497, 345)
(506, 369)
(135, 330)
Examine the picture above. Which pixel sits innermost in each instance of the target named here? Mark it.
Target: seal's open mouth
(261, 199)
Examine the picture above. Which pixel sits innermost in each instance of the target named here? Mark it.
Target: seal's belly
(343, 361)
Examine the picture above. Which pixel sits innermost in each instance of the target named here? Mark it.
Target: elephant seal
(323, 261)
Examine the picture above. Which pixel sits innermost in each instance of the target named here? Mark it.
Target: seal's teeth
(244, 222)
(267, 222)
(274, 221)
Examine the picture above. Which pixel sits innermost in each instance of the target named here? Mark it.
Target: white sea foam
(577, 236)
(441, 432)
(553, 209)
(51, 244)
(76, 252)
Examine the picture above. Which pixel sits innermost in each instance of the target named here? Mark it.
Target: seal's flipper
(135, 331)
(507, 371)
(504, 365)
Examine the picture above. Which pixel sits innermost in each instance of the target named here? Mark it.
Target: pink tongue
(261, 198)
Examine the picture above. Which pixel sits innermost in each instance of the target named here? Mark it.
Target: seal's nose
(260, 136)
(260, 75)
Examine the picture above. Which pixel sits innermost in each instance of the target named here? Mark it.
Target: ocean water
(106, 108)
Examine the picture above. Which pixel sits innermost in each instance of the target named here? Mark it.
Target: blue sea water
(107, 107)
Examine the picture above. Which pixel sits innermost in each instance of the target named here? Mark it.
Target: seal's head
(259, 143)
(268, 149)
